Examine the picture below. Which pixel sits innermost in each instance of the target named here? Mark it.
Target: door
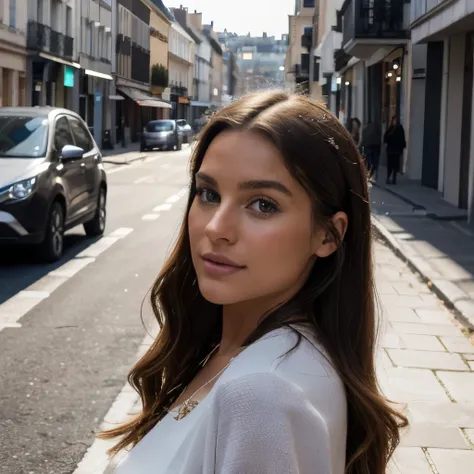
(82, 139)
(72, 172)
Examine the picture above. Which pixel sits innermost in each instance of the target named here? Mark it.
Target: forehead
(244, 154)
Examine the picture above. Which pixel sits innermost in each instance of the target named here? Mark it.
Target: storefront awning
(196, 103)
(143, 99)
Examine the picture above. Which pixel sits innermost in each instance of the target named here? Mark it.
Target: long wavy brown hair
(337, 300)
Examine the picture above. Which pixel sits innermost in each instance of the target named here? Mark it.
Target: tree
(159, 75)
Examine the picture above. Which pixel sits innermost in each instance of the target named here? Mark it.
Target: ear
(326, 245)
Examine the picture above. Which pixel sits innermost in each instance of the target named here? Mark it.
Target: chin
(219, 293)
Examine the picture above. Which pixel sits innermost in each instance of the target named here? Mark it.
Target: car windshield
(164, 126)
(23, 137)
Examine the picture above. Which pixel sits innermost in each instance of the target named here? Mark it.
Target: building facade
(51, 66)
(160, 23)
(298, 57)
(217, 66)
(181, 71)
(94, 41)
(13, 25)
(133, 69)
(441, 148)
(200, 97)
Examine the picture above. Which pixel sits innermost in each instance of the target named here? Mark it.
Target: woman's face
(250, 225)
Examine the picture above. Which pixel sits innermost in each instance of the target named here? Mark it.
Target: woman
(265, 358)
(394, 139)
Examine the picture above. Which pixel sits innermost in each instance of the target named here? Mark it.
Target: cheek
(280, 245)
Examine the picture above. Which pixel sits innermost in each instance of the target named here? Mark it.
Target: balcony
(368, 26)
(42, 38)
(307, 38)
(178, 90)
(301, 73)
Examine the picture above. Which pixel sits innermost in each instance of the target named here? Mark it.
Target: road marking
(150, 217)
(24, 301)
(173, 199)
(96, 460)
(163, 207)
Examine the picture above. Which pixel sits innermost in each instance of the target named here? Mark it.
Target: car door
(91, 159)
(72, 172)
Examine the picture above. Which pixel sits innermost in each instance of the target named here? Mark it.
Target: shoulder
(272, 376)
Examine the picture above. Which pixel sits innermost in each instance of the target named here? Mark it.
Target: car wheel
(51, 249)
(96, 226)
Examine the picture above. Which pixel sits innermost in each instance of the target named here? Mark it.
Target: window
(308, 3)
(308, 31)
(23, 137)
(13, 13)
(62, 134)
(81, 135)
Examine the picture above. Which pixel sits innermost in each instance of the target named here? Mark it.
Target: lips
(217, 265)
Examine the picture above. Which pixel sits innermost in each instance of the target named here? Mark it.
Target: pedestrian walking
(395, 142)
(355, 131)
(264, 362)
(372, 143)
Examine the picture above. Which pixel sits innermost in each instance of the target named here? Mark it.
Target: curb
(125, 162)
(458, 307)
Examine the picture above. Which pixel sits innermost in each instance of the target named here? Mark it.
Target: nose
(223, 225)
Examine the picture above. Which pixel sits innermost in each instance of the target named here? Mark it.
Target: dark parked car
(51, 178)
(163, 134)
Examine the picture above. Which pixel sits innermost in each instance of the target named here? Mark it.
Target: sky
(242, 16)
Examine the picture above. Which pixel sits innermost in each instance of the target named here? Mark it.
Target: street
(65, 360)
(70, 332)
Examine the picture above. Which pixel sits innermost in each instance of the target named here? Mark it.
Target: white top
(267, 414)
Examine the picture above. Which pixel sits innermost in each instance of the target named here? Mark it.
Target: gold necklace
(183, 410)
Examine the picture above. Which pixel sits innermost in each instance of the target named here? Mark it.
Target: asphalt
(62, 369)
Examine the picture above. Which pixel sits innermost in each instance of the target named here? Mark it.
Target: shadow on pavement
(19, 266)
(447, 246)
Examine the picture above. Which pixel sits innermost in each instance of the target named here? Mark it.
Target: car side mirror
(71, 152)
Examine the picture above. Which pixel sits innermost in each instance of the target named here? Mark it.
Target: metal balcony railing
(178, 90)
(372, 19)
(43, 38)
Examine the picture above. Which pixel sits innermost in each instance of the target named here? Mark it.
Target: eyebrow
(253, 184)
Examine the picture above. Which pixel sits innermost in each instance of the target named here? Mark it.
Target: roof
(176, 26)
(161, 6)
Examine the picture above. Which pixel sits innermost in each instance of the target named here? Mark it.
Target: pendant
(185, 409)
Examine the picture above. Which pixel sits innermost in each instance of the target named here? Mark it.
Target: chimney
(212, 24)
(195, 19)
(264, 34)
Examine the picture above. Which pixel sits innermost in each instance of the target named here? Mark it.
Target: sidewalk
(431, 239)
(123, 156)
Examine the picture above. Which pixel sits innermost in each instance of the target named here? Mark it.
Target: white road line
(163, 207)
(150, 217)
(96, 461)
(18, 305)
(173, 199)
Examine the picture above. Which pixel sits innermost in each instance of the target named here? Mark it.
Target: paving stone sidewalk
(440, 250)
(424, 362)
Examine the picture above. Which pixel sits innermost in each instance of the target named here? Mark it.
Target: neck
(238, 322)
